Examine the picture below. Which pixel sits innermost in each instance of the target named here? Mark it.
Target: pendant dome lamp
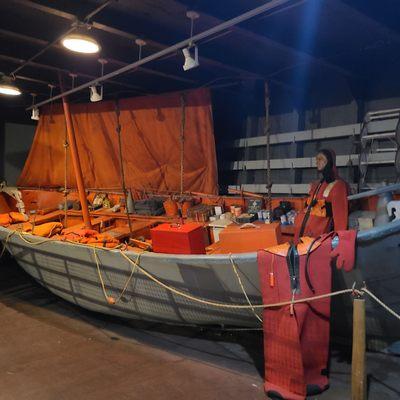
(7, 86)
(80, 41)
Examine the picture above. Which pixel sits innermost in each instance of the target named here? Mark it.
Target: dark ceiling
(303, 45)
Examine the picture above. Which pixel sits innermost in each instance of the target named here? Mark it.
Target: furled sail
(151, 129)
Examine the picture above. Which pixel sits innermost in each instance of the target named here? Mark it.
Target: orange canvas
(150, 135)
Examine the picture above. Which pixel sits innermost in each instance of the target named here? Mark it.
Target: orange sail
(151, 129)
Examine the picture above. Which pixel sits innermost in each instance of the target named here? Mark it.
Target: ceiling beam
(129, 36)
(15, 60)
(272, 4)
(55, 41)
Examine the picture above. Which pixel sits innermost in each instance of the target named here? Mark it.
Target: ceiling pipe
(55, 41)
(65, 71)
(212, 31)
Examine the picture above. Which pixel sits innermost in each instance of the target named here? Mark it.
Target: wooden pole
(358, 375)
(75, 159)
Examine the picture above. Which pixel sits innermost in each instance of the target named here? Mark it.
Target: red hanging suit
(296, 337)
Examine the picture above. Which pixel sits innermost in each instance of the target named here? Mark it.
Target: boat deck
(53, 349)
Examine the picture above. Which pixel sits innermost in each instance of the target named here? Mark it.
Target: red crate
(179, 239)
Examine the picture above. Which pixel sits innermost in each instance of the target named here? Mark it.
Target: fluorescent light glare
(96, 95)
(190, 62)
(81, 43)
(9, 90)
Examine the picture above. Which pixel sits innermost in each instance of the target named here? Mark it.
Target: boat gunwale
(372, 234)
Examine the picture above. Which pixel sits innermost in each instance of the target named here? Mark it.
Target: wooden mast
(75, 159)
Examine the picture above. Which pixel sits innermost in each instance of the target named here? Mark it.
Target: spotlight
(35, 110)
(7, 87)
(190, 62)
(35, 114)
(96, 91)
(96, 95)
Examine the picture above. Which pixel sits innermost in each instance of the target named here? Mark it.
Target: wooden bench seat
(98, 224)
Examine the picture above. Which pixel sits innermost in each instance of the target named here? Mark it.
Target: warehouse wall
(333, 104)
(16, 140)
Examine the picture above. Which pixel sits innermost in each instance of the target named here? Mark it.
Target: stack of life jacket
(296, 336)
(89, 237)
(12, 217)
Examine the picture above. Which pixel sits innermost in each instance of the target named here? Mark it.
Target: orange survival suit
(327, 206)
(296, 337)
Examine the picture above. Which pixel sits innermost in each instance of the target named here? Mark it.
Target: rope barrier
(380, 302)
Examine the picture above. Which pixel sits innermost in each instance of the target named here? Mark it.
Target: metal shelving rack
(378, 136)
(380, 139)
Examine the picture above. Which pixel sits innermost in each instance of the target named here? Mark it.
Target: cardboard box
(241, 239)
(188, 238)
(217, 227)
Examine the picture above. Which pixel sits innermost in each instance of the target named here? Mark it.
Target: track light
(35, 110)
(190, 62)
(80, 41)
(96, 91)
(7, 87)
(35, 114)
(95, 94)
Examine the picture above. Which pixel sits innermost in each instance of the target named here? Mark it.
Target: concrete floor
(52, 350)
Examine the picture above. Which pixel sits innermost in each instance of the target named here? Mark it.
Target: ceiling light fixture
(140, 43)
(35, 114)
(80, 41)
(7, 86)
(96, 91)
(191, 62)
(35, 110)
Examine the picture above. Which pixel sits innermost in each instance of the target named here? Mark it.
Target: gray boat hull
(70, 272)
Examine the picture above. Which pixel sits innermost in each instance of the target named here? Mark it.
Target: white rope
(380, 302)
(234, 306)
(5, 243)
(243, 290)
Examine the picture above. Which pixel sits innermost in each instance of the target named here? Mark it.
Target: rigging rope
(121, 163)
(182, 139)
(65, 192)
(268, 138)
